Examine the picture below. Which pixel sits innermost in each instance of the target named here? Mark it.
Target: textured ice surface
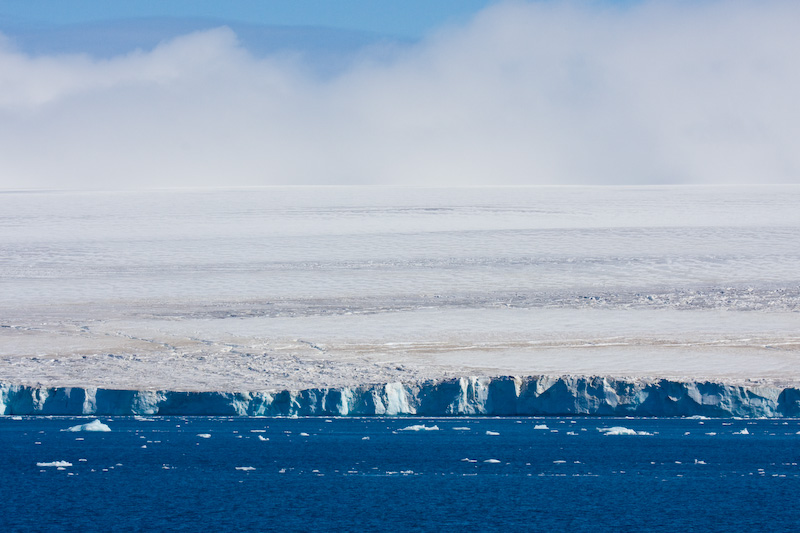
(296, 288)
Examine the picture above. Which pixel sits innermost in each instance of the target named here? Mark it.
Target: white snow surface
(94, 425)
(295, 288)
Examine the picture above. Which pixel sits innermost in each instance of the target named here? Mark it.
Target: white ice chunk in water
(262, 438)
(619, 430)
(742, 432)
(491, 461)
(57, 464)
(464, 428)
(204, 435)
(494, 433)
(94, 425)
(540, 426)
(245, 468)
(304, 434)
(420, 427)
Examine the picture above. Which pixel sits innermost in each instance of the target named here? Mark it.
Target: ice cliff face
(532, 395)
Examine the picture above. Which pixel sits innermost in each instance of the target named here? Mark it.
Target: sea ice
(619, 430)
(94, 425)
(204, 435)
(494, 433)
(540, 426)
(491, 461)
(245, 468)
(742, 432)
(262, 438)
(58, 464)
(420, 427)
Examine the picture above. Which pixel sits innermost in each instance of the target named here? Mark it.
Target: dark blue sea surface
(193, 473)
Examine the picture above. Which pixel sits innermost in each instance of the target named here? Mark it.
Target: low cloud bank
(544, 93)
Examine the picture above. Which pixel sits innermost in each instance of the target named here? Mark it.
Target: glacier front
(466, 396)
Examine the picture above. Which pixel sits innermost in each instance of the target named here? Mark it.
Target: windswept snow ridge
(508, 395)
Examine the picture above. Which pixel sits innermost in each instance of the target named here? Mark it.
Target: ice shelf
(503, 396)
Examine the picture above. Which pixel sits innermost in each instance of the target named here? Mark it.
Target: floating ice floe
(420, 427)
(619, 430)
(262, 438)
(304, 435)
(461, 429)
(57, 464)
(204, 435)
(491, 461)
(742, 432)
(364, 438)
(494, 433)
(94, 425)
(468, 460)
(540, 426)
(245, 468)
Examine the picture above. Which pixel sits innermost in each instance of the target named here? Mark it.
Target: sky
(122, 95)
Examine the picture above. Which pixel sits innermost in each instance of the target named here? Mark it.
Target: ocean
(407, 474)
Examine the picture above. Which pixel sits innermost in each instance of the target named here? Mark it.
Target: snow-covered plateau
(683, 300)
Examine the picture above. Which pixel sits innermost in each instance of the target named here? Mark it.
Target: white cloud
(524, 94)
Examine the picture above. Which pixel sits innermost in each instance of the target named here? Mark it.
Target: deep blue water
(159, 474)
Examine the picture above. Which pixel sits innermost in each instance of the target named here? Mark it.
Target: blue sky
(407, 19)
(145, 94)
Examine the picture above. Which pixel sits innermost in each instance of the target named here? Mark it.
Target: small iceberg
(262, 438)
(245, 468)
(742, 432)
(57, 464)
(204, 435)
(94, 425)
(420, 427)
(492, 461)
(540, 426)
(493, 433)
(619, 430)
